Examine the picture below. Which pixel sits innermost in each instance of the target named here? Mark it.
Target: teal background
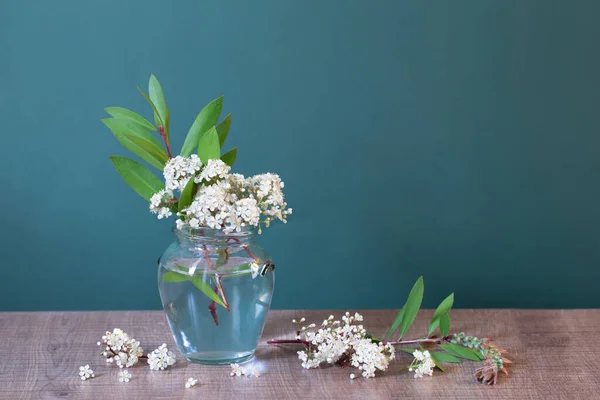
(455, 139)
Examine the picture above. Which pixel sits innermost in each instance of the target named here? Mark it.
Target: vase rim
(188, 232)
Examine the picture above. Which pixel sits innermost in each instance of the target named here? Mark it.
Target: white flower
(179, 170)
(161, 358)
(422, 364)
(254, 372)
(236, 370)
(213, 169)
(121, 359)
(160, 203)
(86, 372)
(191, 382)
(352, 376)
(124, 376)
(418, 355)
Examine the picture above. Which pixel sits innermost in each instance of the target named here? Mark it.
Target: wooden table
(555, 353)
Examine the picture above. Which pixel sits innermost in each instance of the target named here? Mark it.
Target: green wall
(455, 139)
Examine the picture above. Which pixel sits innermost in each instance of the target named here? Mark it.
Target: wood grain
(555, 352)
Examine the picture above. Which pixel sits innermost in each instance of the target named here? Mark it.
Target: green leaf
(137, 140)
(124, 126)
(373, 339)
(440, 356)
(222, 258)
(187, 194)
(120, 112)
(396, 323)
(223, 129)
(157, 96)
(144, 182)
(206, 289)
(208, 146)
(229, 157)
(442, 309)
(445, 324)
(437, 364)
(172, 276)
(241, 267)
(206, 119)
(411, 308)
(154, 109)
(149, 152)
(407, 350)
(460, 351)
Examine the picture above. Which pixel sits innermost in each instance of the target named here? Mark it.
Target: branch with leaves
(346, 342)
(198, 186)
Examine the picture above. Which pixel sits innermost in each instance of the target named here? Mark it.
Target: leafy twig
(452, 348)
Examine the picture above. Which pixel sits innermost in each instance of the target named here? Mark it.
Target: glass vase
(216, 290)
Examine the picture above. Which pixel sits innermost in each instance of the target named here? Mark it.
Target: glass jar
(216, 290)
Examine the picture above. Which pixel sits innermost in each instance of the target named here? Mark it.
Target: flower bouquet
(215, 281)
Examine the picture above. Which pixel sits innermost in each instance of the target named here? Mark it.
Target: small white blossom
(85, 372)
(254, 372)
(161, 358)
(422, 364)
(191, 382)
(124, 376)
(352, 376)
(236, 370)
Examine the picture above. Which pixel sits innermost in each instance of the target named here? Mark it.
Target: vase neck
(207, 238)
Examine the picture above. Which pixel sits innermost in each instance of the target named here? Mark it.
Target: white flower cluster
(238, 371)
(214, 170)
(161, 358)
(222, 200)
(85, 372)
(160, 203)
(120, 348)
(422, 364)
(269, 196)
(179, 170)
(336, 342)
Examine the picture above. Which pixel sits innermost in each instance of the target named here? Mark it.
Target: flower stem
(161, 130)
(286, 341)
(247, 250)
(142, 357)
(394, 343)
(213, 310)
(417, 341)
(218, 285)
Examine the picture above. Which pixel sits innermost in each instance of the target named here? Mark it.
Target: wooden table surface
(555, 354)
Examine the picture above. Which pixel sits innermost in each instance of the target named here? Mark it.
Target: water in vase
(194, 326)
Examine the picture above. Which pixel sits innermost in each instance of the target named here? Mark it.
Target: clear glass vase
(216, 290)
